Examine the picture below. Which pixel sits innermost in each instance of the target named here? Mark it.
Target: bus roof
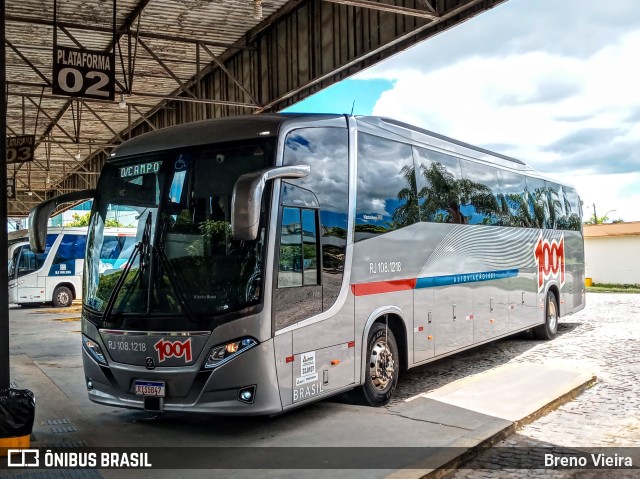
(269, 124)
(383, 122)
(213, 131)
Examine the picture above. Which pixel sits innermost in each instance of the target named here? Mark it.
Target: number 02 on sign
(83, 73)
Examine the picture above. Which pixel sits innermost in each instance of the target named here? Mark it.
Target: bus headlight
(226, 352)
(94, 350)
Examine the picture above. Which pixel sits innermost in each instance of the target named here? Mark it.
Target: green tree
(600, 220)
(79, 220)
(83, 220)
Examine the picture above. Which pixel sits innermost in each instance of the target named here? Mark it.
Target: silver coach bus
(281, 259)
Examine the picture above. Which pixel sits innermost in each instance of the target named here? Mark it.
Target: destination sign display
(141, 169)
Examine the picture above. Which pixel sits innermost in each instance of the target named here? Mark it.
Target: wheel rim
(552, 315)
(381, 365)
(63, 298)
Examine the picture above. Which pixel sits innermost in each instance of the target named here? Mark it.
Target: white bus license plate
(149, 388)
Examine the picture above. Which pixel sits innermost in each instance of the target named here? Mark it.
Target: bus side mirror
(39, 216)
(247, 198)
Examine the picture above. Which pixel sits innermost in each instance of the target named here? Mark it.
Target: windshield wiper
(136, 249)
(174, 279)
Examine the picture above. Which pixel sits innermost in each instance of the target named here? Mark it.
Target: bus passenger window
(439, 181)
(71, 248)
(573, 209)
(386, 198)
(513, 203)
(557, 219)
(478, 194)
(538, 203)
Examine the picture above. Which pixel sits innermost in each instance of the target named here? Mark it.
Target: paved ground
(603, 339)
(606, 338)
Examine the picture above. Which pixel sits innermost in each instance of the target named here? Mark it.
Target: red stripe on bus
(365, 289)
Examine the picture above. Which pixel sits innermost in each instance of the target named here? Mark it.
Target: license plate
(149, 388)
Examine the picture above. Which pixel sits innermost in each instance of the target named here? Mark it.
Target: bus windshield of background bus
(183, 260)
(25, 261)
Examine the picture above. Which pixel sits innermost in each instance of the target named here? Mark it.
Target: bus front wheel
(549, 329)
(62, 297)
(383, 366)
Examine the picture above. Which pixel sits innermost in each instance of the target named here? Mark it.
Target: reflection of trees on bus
(407, 213)
(441, 200)
(446, 199)
(333, 238)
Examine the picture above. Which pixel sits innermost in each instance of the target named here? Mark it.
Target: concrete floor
(431, 430)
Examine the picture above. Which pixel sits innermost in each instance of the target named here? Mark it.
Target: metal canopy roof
(182, 60)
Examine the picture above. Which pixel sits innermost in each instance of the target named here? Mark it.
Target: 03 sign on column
(83, 73)
(20, 149)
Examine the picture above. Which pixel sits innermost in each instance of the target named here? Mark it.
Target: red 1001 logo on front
(173, 349)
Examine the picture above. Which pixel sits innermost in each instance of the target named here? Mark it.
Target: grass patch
(614, 288)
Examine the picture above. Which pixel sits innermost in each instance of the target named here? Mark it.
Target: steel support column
(5, 377)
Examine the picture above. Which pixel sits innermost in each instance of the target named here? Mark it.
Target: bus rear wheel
(382, 368)
(549, 329)
(62, 297)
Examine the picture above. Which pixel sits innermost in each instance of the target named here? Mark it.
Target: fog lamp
(247, 394)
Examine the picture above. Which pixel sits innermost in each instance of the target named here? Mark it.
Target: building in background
(611, 252)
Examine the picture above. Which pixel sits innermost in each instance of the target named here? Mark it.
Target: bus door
(308, 319)
(320, 354)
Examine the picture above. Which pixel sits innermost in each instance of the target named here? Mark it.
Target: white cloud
(613, 192)
(571, 110)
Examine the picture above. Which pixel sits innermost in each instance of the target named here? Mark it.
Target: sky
(553, 83)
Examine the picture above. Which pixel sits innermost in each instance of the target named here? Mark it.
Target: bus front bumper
(213, 391)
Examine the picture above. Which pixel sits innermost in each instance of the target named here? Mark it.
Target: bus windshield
(24, 261)
(183, 261)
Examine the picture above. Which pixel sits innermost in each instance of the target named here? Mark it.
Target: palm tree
(407, 213)
(444, 195)
(441, 195)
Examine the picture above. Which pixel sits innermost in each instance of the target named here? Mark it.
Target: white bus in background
(55, 276)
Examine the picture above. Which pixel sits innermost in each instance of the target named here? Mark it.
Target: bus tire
(549, 329)
(382, 367)
(62, 297)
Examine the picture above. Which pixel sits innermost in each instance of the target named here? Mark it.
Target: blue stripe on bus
(435, 281)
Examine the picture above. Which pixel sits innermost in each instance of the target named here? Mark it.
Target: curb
(474, 451)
